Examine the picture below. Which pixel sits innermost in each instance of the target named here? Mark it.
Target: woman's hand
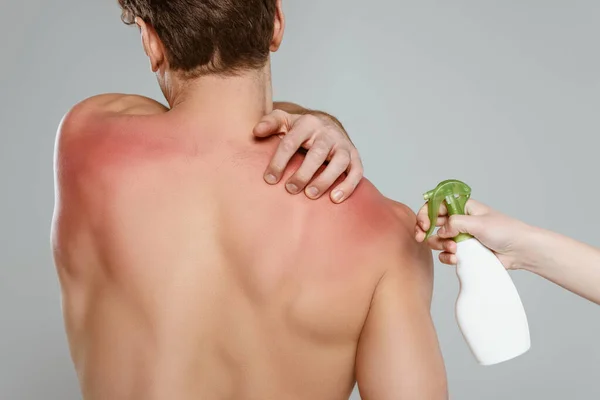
(505, 236)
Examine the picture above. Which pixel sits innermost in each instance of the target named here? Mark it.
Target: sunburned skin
(184, 276)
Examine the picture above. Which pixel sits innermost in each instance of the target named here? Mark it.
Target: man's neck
(236, 101)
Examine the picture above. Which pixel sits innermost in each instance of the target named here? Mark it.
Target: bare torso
(184, 276)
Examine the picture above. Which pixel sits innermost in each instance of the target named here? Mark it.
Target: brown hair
(204, 37)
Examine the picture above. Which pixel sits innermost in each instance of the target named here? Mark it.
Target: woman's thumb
(474, 207)
(458, 224)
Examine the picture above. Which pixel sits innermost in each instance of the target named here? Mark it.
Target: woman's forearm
(571, 264)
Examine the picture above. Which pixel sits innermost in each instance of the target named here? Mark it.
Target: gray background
(501, 94)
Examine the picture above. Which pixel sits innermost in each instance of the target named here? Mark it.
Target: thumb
(474, 207)
(274, 123)
(458, 224)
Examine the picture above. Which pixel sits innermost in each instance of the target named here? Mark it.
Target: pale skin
(185, 276)
(571, 264)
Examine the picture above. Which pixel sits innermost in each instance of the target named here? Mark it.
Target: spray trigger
(455, 194)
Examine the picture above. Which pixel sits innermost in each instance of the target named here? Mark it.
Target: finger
(436, 243)
(288, 146)
(458, 224)
(449, 246)
(314, 159)
(448, 258)
(440, 244)
(337, 166)
(448, 231)
(276, 122)
(355, 175)
(423, 216)
(441, 221)
(474, 207)
(421, 233)
(310, 127)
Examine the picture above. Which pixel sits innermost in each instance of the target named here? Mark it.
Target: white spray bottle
(489, 311)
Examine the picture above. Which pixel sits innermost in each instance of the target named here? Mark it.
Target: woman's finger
(423, 217)
(448, 258)
(438, 243)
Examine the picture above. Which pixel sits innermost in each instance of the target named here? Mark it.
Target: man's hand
(325, 139)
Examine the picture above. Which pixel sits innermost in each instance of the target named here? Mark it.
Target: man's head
(201, 37)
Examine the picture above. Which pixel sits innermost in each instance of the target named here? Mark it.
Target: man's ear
(152, 44)
(279, 28)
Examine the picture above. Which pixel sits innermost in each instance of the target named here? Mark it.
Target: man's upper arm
(398, 354)
(81, 154)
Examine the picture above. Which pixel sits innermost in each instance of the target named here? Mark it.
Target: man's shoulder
(379, 234)
(118, 103)
(400, 236)
(101, 171)
(390, 228)
(388, 217)
(95, 145)
(371, 222)
(95, 111)
(98, 114)
(405, 215)
(104, 115)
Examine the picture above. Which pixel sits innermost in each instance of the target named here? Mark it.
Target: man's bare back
(184, 276)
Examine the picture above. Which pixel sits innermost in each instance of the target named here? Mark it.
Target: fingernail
(338, 195)
(292, 188)
(262, 126)
(312, 191)
(270, 178)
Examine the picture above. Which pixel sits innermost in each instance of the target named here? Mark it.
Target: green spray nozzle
(455, 194)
